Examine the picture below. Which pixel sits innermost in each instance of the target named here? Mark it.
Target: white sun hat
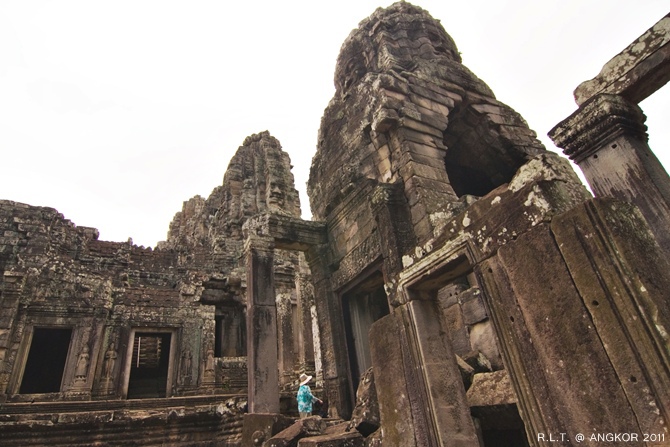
(304, 378)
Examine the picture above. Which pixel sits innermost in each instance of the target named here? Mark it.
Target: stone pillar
(575, 337)
(607, 138)
(209, 371)
(419, 386)
(627, 306)
(286, 351)
(80, 369)
(331, 329)
(10, 329)
(306, 350)
(110, 364)
(262, 361)
(395, 228)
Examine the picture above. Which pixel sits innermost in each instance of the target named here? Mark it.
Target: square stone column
(394, 224)
(607, 138)
(262, 363)
(308, 352)
(332, 335)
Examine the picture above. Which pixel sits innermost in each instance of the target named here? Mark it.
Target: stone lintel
(600, 120)
(638, 71)
(290, 233)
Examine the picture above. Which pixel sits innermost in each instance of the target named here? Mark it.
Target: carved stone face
(275, 196)
(398, 36)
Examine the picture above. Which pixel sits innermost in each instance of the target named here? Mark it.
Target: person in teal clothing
(305, 397)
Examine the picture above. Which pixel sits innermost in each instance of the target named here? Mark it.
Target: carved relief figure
(110, 360)
(209, 364)
(82, 365)
(186, 362)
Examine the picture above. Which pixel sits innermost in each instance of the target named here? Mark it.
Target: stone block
(418, 126)
(441, 377)
(478, 361)
(460, 341)
(427, 162)
(430, 90)
(417, 137)
(365, 418)
(289, 437)
(489, 389)
(260, 427)
(556, 325)
(489, 109)
(449, 294)
(418, 213)
(628, 308)
(431, 171)
(431, 104)
(466, 370)
(97, 417)
(473, 309)
(385, 120)
(384, 168)
(425, 150)
(350, 439)
(387, 339)
(637, 71)
(483, 339)
(453, 318)
(493, 401)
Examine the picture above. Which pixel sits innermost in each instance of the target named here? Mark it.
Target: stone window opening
(477, 160)
(149, 365)
(47, 356)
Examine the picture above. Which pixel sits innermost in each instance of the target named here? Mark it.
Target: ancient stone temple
(102, 339)
(457, 286)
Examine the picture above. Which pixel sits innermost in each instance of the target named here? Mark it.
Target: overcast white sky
(115, 112)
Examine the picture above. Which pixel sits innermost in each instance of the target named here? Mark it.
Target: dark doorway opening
(501, 426)
(150, 365)
(361, 307)
(46, 361)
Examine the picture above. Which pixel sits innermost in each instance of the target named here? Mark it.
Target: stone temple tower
(463, 257)
(458, 285)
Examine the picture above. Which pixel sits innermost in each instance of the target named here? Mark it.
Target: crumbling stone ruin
(457, 285)
(89, 322)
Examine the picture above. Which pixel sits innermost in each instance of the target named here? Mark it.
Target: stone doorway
(460, 307)
(44, 368)
(150, 365)
(361, 306)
